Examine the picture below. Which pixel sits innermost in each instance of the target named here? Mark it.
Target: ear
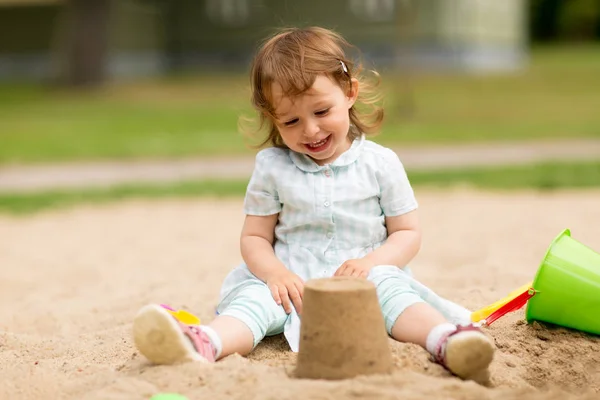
(352, 94)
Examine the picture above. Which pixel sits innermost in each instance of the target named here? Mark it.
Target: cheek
(339, 122)
(289, 136)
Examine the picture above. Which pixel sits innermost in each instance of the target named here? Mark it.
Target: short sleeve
(396, 194)
(261, 194)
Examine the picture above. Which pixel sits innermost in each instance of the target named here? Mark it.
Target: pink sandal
(162, 339)
(466, 352)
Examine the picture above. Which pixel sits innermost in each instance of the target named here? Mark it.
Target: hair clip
(344, 67)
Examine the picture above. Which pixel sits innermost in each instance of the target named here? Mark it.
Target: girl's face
(316, 123)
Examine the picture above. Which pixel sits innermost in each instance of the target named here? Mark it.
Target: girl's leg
(415, 323)
(452, 312)
(235, 335)
(465, 351)
(248, 318)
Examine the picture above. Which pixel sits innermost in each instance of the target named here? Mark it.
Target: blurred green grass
(544, 177)
(556, 97)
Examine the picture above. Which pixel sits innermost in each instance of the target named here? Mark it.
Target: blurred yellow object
(484, 312)
(185, 317)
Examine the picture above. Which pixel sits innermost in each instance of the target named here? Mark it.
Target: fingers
(296, 297)
(285, 299)
(275, 293)
(287, 292)
(356, 273)
(291, 294)
(296, 300)
(300, 287)
(341, 271)
(345, 270)
(349, 270)
(280, 295)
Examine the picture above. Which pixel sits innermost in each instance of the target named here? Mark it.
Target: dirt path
(32, 178)
(73, 279)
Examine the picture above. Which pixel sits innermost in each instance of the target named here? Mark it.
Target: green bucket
(567, 286)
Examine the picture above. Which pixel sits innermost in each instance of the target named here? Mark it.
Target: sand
(71, 281)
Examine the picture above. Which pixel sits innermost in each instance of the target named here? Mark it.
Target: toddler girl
(322, 201)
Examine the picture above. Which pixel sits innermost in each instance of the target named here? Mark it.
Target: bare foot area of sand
(72, 281)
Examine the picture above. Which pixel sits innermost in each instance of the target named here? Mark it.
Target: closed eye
(322, 112)
(290, 122)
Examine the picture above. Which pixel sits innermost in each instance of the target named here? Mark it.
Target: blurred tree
(406, 16)
(551, 20)
(173, 15)
(86, 41)
(579, 19)
(172, 11)
(543, 19)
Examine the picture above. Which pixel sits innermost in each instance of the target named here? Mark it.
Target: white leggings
(253, 303)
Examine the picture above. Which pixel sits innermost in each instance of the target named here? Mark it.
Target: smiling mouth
(318, 145)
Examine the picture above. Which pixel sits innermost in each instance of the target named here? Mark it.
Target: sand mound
(72, 281)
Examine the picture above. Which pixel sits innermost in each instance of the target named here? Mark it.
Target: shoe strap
(440, 354)
(199, 340)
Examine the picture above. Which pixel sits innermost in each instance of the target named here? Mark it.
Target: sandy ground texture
(72, 280)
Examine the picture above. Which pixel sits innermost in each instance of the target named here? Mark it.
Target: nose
(311, 128)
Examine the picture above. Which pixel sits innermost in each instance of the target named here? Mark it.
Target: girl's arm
(403, 242)
(256, 243)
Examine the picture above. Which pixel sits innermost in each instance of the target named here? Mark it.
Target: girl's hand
(287, 288)
(359, 268)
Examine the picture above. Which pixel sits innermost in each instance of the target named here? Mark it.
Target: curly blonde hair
(293, 58)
